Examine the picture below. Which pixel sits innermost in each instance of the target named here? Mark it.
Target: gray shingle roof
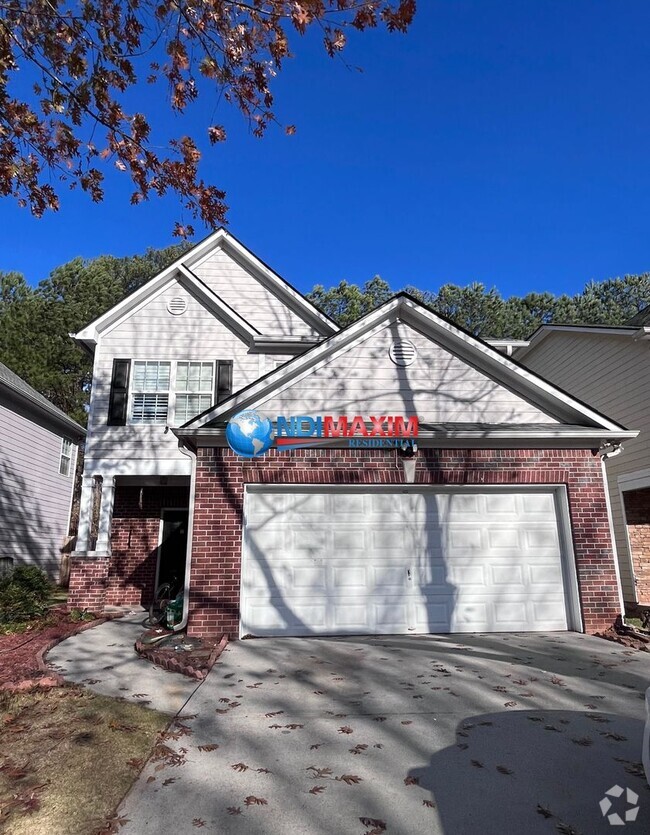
(14, 383)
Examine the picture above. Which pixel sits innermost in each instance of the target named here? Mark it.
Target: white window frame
(187, 392)
(133, 392)
(171, 392)
(66, 455)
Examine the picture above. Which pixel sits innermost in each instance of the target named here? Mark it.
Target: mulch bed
(195, 662)
(625, 635)
(22, 663)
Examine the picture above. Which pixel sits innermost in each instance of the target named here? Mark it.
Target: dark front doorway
(173, 547)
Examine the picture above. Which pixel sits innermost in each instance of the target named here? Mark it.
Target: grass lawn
(68, 757)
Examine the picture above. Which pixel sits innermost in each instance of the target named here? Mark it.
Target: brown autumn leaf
(319, 772)
(151, 779)
(315, 747)
(345, 729)
(349, 779)
(212, 746)
(374, 823)
(263, 771)
(241, 767)
(251, 800)
(429, 804)
(317, 789)
(273, 713)
(477, 763)
(509, 704)
(198, 822)
(502, 769)
(379, 718)
(544, 812)
(169, 781)
(294, 726)
(234, 810)
(411, 781)
(358, 749)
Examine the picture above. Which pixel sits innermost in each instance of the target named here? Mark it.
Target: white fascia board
(294, 370)
(549, 393)
(266, 275)
(211, 299)
(491, 438)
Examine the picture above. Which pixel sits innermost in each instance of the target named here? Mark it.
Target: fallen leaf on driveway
(316, 789)
(198, 822)
(429, 803)
(376, 824)
(546, 813)
(411, 781)
(349, 779)
(379, 718)
(346, 729)
(211, 747)
(476, 763)
(503, 770)
(251, 800)
(234, 810)
(241, 767)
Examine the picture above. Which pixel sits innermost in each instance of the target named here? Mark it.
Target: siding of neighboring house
(238, 288)
(612, 374)
(152, 333)
(34, 497)
(438, 386)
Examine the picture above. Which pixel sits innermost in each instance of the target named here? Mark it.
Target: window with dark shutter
(223, 385)
(118, 403)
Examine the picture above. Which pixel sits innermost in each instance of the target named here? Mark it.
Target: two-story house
(419, 480)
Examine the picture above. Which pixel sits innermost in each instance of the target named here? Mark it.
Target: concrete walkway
(103, 659)
(489, 734)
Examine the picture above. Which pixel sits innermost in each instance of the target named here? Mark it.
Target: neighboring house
(609, 367)
(496, 521)
(38, 456)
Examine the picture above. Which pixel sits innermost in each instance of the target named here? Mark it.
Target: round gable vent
(402, 352)
(177, 305)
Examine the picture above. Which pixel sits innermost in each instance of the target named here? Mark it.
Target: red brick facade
(637, 515)
(127, 578)
(222, 476)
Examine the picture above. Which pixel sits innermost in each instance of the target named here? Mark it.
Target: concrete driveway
(432, 734)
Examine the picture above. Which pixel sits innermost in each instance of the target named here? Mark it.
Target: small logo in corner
(615, 818)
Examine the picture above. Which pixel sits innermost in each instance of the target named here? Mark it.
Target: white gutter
(188, 553)
(612, 536)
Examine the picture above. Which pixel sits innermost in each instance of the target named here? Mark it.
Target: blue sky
(507, 143)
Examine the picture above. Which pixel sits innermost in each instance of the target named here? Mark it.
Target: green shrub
(24, 594)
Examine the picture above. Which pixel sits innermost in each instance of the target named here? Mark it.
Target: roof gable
(471, 365)
(301, 316)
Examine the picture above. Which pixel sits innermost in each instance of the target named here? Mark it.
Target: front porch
(132, 535)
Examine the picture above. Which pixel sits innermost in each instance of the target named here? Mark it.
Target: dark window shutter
(119, 393)
(223, 380)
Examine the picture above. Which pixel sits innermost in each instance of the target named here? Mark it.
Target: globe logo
(249, 434)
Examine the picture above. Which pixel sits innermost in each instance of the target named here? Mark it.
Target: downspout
(616, 449)
(190, 531)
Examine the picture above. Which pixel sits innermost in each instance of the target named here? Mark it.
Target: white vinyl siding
(250, 298)
(66, 457)
(34, 495)
(438, 386)
(612, 374)
(152, 333)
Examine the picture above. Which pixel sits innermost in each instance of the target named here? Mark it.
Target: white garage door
(386, 562)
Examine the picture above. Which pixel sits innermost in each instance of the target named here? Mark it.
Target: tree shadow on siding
(24, 536)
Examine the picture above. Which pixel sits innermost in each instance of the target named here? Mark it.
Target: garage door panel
(329, 561)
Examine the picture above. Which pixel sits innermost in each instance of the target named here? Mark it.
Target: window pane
(149, 408)
(190, 405)
(151, 376)
(64, 466)
(194, 376)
